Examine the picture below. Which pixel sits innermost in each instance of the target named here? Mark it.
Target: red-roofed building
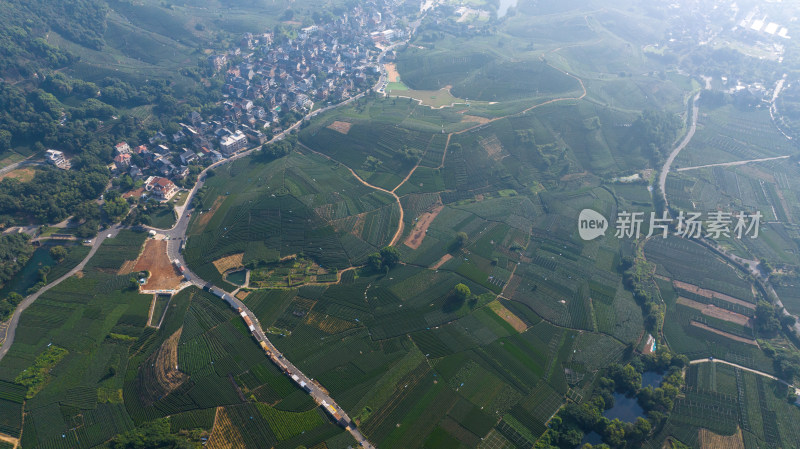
(161, 188)
(123, 160)
(122, 148)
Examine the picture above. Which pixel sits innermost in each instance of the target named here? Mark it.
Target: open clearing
(712, 294)
(507, 316)
(228, 262)
(21, 174)
(414, 240)
(710, 440)
(392, 75)
(716, 312)
(154, 260)
(724, 334)
(436, 99)
(340, 127)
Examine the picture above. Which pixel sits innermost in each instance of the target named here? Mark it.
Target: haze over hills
(331, 224)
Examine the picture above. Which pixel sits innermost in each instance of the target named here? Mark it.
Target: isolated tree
(461, 239)
(390, 256)
(462, 292)
(58, 253)
(374, 262)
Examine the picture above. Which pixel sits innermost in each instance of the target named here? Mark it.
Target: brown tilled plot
(710, 440)
(163, 275)
(723, 333)
(414, 240)
(507, 316)
(226, 263)
(712, 294)
(441, 261)
(716, 312)
(202, 221)
(340, 127)
(224, 434)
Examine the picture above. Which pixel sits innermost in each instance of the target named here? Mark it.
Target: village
(270, 81)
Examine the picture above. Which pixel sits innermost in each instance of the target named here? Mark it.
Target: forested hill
(24, 24)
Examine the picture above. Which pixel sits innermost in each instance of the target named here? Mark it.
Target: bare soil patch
(242, 294)
(492, 146)
(507, 316)
(475, 119)
(571, 176)
(340, 127)
(163, 275)
(716, 312)
(724, 334)
(712, 294)
(202, 220)
(127, 267)
(224, 435)
(228, 262)
(158, 376)
(10, 440)
(24, 174)
(414, 240)
(441, 261)
(328, 324)
(710, 440)
(392, 75)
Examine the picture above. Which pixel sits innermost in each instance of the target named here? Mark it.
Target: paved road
(177, 236)
(730, 164)
(12, 325)
(744, 368)
(662, 176)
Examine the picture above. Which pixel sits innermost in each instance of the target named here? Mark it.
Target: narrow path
(8, 339)
(523, 112)
(662, 176)
(730, 164)
(744, 368)
(400, 225)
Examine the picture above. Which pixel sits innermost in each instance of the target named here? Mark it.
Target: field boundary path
(401, 224)
(662, 176)
(8, 338)
(731, 164)
(746, 265)
(744, 368)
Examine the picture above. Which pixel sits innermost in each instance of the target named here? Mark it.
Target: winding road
(662, 176)
(744, 368)
(8, 339)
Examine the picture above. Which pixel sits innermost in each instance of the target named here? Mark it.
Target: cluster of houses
(268, 75)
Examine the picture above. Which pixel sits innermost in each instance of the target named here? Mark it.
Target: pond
(29, 275)
(627, 409)
(504, 5)
(236, 277)
(652, 379)
(592, 438)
